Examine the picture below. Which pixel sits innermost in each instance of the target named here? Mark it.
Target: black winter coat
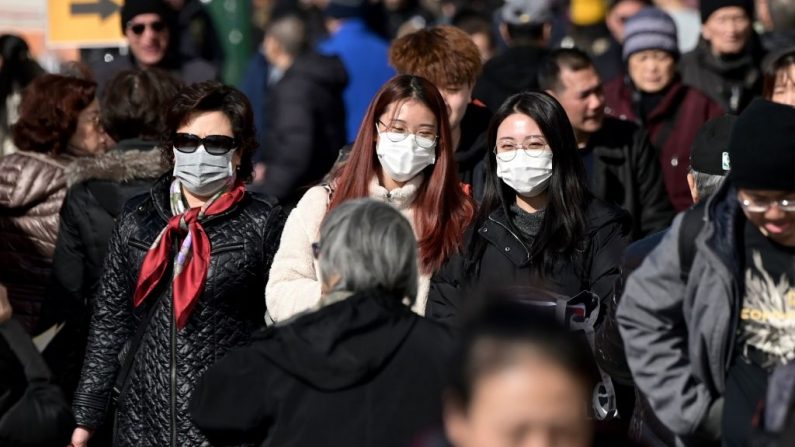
(732, 83)
(512, 71)
(152, 407)
(305, 126)
(364, 371)
(471, 152)
(626, 173)
(506, 261)
(88, 216)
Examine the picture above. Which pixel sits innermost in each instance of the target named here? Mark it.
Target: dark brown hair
(134, 102)
(572, 59)
(440, 197)
(48, 112)
(444, 55)
(778, 67)
(213, 96)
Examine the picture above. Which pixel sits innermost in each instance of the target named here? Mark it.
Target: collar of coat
(722, 233)
(131, 160)
(401, 198)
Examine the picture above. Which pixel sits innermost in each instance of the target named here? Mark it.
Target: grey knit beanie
(650, 29)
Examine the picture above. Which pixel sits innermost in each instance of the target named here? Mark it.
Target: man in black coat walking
(305, 113)
(621, 163)
(526, 27)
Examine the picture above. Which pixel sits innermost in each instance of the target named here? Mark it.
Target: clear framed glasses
(397, 133)
(756, 206)
(533, 146)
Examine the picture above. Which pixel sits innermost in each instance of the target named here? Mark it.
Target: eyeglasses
(139, 28)
(214, 144)
(316, 249)
(753, 206)
(92, 120)
(533, 146)
(397, 133)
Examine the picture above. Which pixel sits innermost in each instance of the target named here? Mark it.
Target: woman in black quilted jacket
(184, 279)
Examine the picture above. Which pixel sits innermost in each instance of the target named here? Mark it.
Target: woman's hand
(80, 437)
(5, 306)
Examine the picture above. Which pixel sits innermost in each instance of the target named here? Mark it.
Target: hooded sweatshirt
(361, 371)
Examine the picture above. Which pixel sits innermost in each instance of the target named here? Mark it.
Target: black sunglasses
(213, 144)
(139, 28)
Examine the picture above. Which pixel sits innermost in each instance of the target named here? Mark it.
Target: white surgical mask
(405, 159)
(527, 175)
(201, 172)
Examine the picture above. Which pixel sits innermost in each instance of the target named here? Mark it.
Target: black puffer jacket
(152, 407)
(506, 261)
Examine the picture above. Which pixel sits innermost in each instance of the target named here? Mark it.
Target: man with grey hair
(305, 114)
(361, 369)
(709, 158)
(709, 165)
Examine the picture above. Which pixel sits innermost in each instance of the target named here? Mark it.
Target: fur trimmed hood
(119, 165)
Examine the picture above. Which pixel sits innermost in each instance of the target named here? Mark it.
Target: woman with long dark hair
(538, 223)
(403, 156)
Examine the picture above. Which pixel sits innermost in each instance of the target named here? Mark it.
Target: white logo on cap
(725, 162)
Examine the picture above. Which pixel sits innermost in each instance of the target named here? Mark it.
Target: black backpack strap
(23, 348)
(692, 222)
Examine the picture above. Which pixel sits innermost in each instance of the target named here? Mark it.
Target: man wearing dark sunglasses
(145, 24)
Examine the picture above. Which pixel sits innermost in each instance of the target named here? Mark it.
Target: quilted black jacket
(152, 407)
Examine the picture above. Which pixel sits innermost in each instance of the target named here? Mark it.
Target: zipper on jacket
(173, 373)
(526, 251)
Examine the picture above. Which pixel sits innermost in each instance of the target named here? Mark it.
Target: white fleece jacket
(293, 285)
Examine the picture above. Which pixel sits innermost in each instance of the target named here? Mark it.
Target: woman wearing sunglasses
(402, 156)
(184, 278)
(537, 224)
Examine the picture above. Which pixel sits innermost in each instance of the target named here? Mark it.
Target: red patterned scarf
(192, 261)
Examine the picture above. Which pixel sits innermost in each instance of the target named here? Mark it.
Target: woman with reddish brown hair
(402, 156)
(58, 126)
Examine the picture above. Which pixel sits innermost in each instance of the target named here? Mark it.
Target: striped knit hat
(650, 29)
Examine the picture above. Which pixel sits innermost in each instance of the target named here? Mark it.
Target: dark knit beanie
(710, 151)
(650, 29)
(343, 9)
(762, 147)
(133, 8)
(707, 7)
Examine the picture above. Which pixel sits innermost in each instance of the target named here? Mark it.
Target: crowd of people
(470, 224)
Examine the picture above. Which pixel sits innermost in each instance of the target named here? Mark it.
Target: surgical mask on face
(201, 172)
(403, 160)
(527, 175)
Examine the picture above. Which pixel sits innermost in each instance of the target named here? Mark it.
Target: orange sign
(84, 23)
